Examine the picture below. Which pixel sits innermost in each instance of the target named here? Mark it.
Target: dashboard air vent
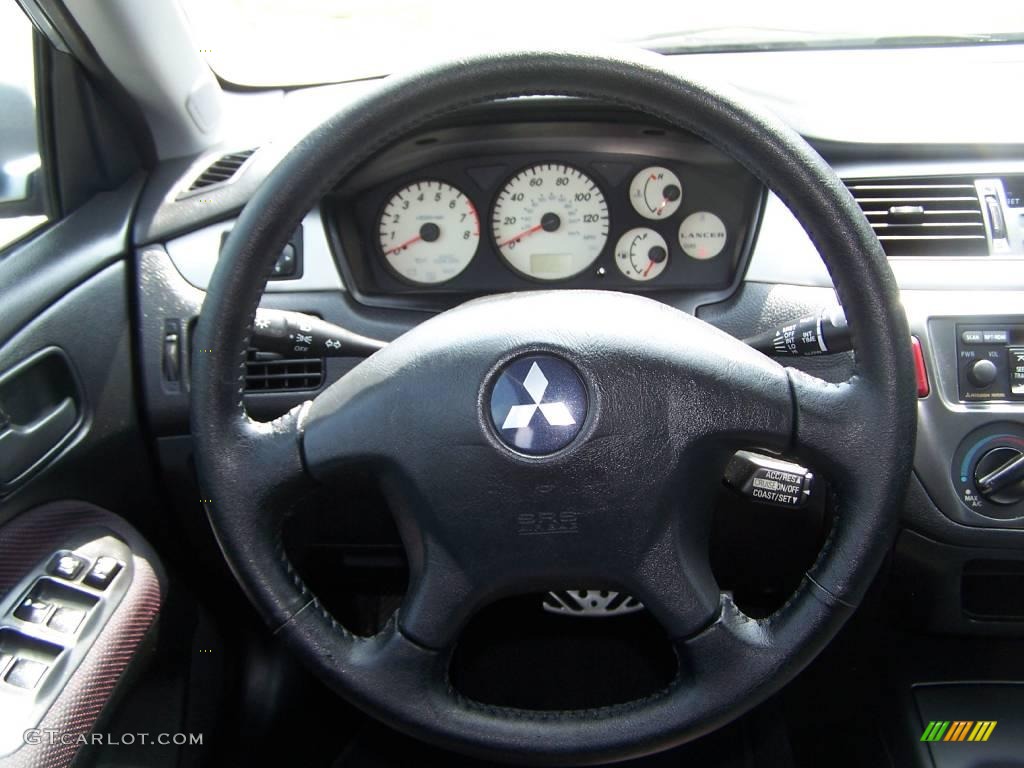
(938, 216)
(221, 170)
(266, 372)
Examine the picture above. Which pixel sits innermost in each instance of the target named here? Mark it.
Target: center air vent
(265, 372)
(221, 170)
(938, 216)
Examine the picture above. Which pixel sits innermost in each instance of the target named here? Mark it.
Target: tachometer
(429, 232)
(550, 221)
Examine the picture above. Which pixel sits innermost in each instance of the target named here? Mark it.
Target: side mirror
(20, 177)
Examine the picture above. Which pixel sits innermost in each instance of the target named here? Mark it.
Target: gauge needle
(650, 264)
(400, 246)
(521, 235)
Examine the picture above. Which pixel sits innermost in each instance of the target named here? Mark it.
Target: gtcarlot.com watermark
(52, 737)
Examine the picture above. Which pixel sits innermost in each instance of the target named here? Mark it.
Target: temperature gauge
(656, 192)
(641, 254)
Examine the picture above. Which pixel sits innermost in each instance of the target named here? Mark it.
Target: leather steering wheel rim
(859, 433)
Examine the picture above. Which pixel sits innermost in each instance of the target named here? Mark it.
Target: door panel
(75, 467)
(80, 587)
(36, 273)
(104, 459)
(40, 410)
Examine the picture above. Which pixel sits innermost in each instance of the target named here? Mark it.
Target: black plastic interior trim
(65, 254)
(713, 182)
(843, 151)
(46, 379)
(136, 129)
(43, 54)
(161, 216)
(106, 462)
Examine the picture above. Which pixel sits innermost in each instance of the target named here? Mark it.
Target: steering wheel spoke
(758, 650)
(830, 421)
(269, 466)
(673, 579)
(441, 597)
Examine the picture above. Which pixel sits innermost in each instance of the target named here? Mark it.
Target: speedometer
(550, 221)
(428, 232)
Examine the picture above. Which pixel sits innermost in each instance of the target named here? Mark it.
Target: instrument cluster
(680, 219)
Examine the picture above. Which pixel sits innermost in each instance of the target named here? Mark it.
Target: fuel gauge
(641, 254)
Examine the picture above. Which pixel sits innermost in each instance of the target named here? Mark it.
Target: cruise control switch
(825, 333)
(769, 481)
(293, 334)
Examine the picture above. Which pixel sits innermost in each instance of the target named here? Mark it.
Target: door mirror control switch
(67, 566)
(103, 572)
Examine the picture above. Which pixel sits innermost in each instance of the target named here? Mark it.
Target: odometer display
(550, 221)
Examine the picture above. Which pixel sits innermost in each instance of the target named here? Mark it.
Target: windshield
(295, 42)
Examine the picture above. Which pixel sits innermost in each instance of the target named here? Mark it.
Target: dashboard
(481, 209)
(941, 187)
(491, 177)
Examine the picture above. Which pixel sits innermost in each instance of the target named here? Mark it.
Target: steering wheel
(605, 474)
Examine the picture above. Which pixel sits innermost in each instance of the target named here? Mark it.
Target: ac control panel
(988, 471)
(990, 359)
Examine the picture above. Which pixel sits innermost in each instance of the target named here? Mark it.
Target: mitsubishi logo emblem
(536, 383)
(538, 404)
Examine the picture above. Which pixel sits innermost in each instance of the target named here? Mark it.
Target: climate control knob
(999, 475)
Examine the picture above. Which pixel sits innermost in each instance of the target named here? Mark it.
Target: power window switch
(66, 620)
(102, 573)
(25, 673)
(67, 566)
(33, 610)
